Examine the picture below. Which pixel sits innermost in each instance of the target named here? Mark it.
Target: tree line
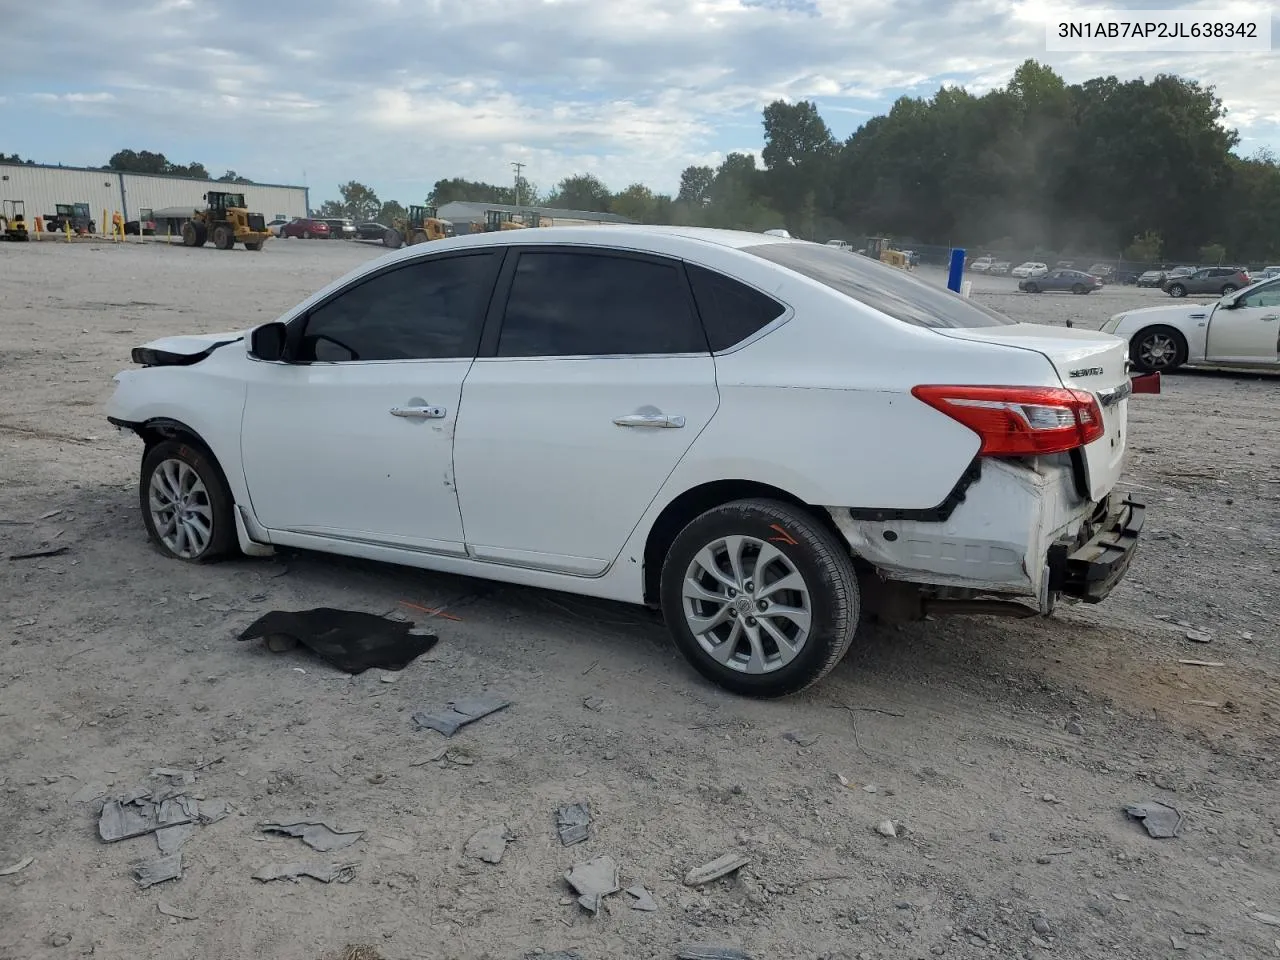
(1036, 168)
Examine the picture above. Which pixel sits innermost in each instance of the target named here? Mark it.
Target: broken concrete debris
(572, 823)
(643, 899)
(316, 834)
(135, 817)
(887, 828)
(1161, 820)
(802, 739)
(489, 843)
(720, 867)
(148, 873)
(348, 639)
(316, 869)
(171, 911)
(593, 880)
(1271, 920)
(449, 720)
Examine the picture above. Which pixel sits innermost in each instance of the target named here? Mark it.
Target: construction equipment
(495, 220)
(226, 221)
(883, 249)
(532, 218)
(13, 221)
(76, 215)
(421, 225)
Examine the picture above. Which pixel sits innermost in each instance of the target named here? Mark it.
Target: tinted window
(1267, 295)
(428, 310)
(731, 311)
(880, 286)
(587, 304)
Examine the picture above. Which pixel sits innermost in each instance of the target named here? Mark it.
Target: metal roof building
(472, 211)
(40, 187)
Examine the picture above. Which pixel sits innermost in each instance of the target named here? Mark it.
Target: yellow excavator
(421, 225)
(13, 221)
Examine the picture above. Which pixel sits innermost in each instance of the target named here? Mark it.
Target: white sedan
(1030, 269)
(763, 437)
(1242, 329)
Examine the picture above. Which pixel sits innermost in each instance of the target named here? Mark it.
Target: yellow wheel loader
(421, 226)
(226, 221)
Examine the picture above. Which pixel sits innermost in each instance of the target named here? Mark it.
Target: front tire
(1033, 288)
(760, 597)
(1177, 291)
(186, 503)
(1158, 348)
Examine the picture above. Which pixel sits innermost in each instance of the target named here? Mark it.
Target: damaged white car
(766, 438)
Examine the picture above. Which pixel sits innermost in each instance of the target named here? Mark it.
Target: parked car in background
(1267, 273)
(844, 245)
(370, 231)
(1239, 329)
(144, 228)
(276, 225)
(1215, 281)
(341, 228)
(1152, 278)
(1032, 268)
(1072, 281)
(999, 267)
(1103, 271)
(616, 373)
(980, 265)
(305, 229)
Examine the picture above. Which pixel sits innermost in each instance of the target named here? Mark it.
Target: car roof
(618, 236)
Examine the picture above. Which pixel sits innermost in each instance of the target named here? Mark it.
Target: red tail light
(1020, 421)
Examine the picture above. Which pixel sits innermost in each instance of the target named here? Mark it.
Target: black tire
(1177, 290)
(1228, 288)
(253, 245)
(1033, 288)
(190, 235)
(1079, 289)
(1138, 346)
(419, 236)
(824, 564)
(224, 237)
(392, 239)
(222, 541)
(306, 234)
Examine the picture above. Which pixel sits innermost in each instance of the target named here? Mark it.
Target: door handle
(418, 413)
(1271, 317)
(649, 420)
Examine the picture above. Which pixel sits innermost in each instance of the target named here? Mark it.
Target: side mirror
(267, 341)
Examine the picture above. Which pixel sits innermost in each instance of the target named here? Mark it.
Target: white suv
(1030, 269)
(766, 438)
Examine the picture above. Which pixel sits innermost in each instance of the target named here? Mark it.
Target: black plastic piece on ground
(350, 640)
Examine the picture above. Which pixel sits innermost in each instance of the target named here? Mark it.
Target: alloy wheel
(181, 510)
(747, 604)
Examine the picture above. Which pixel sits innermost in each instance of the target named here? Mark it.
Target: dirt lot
(1006, 749)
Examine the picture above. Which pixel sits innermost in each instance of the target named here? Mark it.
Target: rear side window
(877, 285)
(569, 304)
(731, 311)
(427, 310)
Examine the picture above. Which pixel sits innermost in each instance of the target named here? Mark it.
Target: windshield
(880, 286)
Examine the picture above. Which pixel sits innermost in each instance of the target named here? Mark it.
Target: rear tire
(192, 235)
(223, 237)
(1079, 289)
(306, 234)
(393, 239)
(419, 236)
(186, 503)
(253, 245)
(713, 574)
(1157, 348)
(1228, 288)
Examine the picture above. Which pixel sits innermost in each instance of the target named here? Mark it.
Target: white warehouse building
(135, 195)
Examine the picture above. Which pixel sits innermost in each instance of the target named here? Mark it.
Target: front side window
(426, 310)
(1266, 295)
(893, 292)
(567, 304)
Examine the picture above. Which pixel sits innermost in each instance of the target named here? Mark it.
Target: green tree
(232, 177)
(798, 153)
(14, 158)
(636, 202)
(582, 191)
(1213, 253)
(359, 202)
(144, 161)
(695, 185)
(390, 211)
(1145, 248)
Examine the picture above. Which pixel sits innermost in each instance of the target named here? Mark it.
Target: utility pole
(517, 167)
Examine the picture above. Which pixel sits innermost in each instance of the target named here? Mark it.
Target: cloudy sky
(398, 93)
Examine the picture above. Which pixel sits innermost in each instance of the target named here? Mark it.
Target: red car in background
(306, 229)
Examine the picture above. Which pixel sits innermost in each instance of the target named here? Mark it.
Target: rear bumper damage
(1090, 571)
(1020, 534)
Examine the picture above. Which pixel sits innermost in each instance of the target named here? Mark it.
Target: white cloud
(407, 91)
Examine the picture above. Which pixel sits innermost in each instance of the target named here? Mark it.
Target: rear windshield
(888, 289)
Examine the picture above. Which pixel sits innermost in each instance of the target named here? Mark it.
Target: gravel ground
(1005, 749)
